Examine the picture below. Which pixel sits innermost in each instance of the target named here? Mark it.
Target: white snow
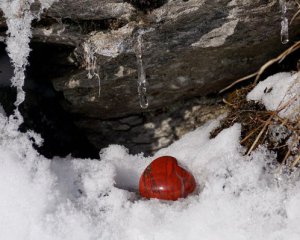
(279, 92)
(237, 197)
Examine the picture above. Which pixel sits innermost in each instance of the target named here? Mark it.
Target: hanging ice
(142, 80)
(18, 17)
(284, 22)
(91, 63)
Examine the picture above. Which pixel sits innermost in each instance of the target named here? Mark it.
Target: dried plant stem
(278, 59)
(296, 161)
(250, 134)
(295, 15)
(260, 134)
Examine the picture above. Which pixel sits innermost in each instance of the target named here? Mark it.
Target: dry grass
(259, 126)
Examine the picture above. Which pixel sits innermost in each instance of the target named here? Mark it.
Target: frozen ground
(237, 197)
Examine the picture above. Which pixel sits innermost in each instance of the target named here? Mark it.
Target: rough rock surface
(191, 48)
(149, 132)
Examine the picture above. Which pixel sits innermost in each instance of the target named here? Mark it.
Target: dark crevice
(146, 5)
(42, 107)
(42, 110)
(80, 25)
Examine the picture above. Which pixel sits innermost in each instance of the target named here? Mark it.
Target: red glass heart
(165, 179)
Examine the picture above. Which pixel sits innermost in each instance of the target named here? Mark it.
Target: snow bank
(237, 197)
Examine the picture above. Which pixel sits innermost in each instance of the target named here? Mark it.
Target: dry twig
(257, 74)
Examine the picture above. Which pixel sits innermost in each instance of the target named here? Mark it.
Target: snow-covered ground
(237, 197)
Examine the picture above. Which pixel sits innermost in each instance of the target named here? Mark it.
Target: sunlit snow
(236, 198)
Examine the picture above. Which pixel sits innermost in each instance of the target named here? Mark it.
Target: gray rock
(149, 132)
(90, 9)
(194, 48)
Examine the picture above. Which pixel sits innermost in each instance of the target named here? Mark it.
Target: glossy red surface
(165, 179)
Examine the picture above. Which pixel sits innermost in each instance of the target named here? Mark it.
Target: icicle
(91, 63)
(18, 19)
(284, 22)
(142, 80)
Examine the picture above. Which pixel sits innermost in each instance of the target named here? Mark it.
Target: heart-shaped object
(165, 179)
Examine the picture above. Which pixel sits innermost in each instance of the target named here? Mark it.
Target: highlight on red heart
(164, 179)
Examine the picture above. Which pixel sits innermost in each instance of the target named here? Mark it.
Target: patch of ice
(284, 33)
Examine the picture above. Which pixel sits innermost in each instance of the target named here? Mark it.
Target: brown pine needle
(294, 17)
(238, 81)
(296, 161)
(259, 135)
(286, 157)
(228, 103)
(250, 134)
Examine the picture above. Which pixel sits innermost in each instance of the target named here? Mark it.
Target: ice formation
(284, 22)
(18, 17)
(91, 63)
(142, 80)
